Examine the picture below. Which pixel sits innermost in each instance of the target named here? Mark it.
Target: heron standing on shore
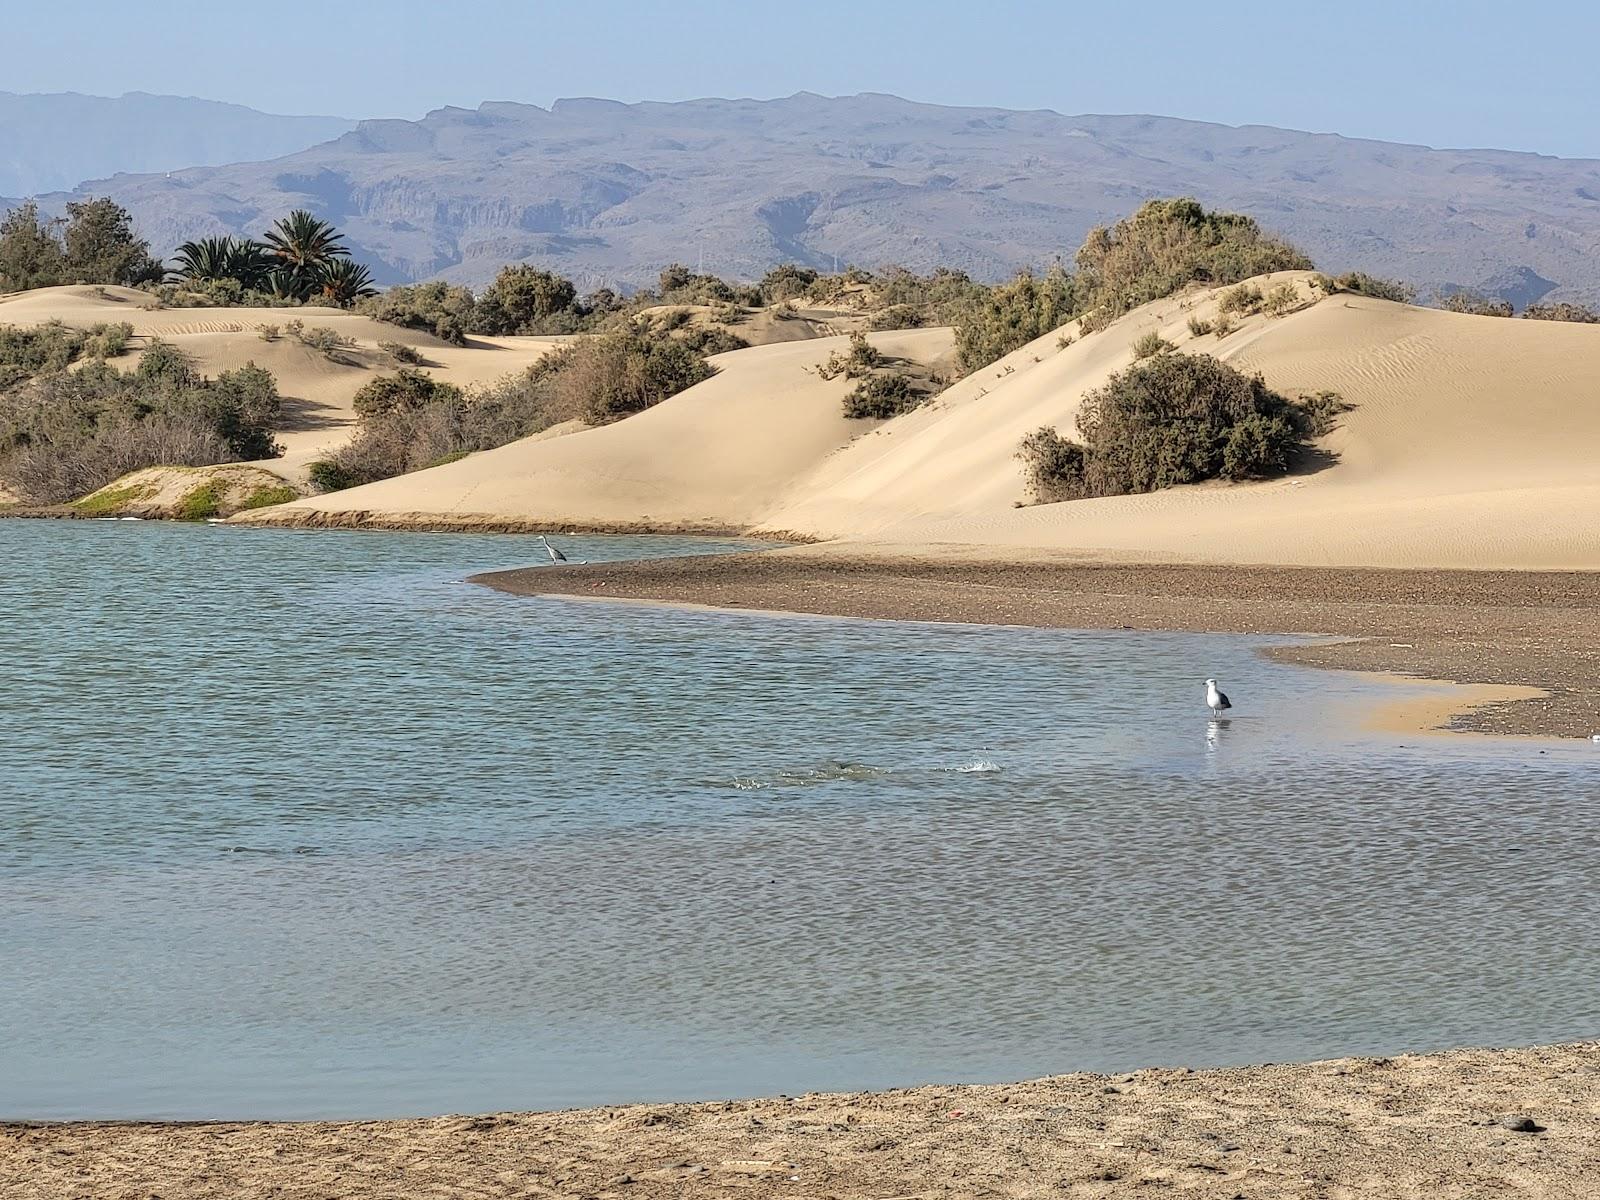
(1216, 698)
(555, 555)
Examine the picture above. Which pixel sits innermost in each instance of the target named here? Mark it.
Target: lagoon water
(300, 824)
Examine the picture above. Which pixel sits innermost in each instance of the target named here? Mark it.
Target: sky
(1466, 73)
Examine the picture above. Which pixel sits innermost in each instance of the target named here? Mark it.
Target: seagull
(1216, 698)
(555, 555)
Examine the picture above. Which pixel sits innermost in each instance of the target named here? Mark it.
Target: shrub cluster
(1171, 419)
(1362, 284)
(1477, 304)
(1168, 244)
(879, 397)
(1150, 345)
(54, 346)
(1243, 300)
(1013, 314)
(442, 309)
(1577, 313)
(859, 361)
(409, 420)
(65, 433)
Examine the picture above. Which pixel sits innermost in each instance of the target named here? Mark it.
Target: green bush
(1199, 328)
(524, 300)
(1052, 466)
(859, 361)
(408, 389)
(53, 346)
(67, 432)
(786, 282)
(712, 340)
(679, 285)
(1168, 244)
(1014, 314)
(879, 397)
(1282, 299)
(614, 375)
(945, 297)
(1150, 345)
(1095, 320)
(1362, 284)
(409, 421)
(267, 495)
(1577, 313)
(1172, 419)
(329, 476)
(329, 342)
(401, 353)
(1476, 304)
(1244, 299)
(1319, 412)
(896, 316)
(444, 310)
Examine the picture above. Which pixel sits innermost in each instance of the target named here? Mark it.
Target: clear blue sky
(1464, 73)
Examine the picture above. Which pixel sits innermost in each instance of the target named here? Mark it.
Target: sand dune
(718, 456)
(1474, 442)
(317, 389)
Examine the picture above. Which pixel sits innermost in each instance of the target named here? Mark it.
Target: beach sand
(1436, 1126)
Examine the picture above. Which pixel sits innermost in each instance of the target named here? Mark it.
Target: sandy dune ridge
(1473, 442)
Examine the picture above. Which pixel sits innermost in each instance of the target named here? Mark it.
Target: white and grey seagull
(555, 555)
(1216, 698)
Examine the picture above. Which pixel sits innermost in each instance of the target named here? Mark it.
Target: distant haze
(608, 193)
(52, 142)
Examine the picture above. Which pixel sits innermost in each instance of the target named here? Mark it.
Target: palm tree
(344, 282)
(217, 258)
(304, 247)
(204, 260)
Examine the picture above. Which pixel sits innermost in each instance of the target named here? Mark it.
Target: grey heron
(1216, 698)
(555, 555)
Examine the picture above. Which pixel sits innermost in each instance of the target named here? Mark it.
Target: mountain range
(608, 193)
(54, 141)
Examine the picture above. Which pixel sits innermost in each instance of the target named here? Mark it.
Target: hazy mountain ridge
(608, 192)
(53, 141)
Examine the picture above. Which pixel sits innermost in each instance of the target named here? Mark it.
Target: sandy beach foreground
(1525, 638)
(1467, 1123)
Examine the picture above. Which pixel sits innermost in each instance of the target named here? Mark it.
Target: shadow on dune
(305, 416)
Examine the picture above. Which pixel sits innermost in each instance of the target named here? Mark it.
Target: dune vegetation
(531, 356)
(1168, 419)
(67, 432)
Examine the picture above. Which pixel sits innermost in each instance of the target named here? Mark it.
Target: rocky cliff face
(609, 193)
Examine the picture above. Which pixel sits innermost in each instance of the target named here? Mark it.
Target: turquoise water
(300, 824)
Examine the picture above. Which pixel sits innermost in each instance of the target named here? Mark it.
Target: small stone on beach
(1518, 1123)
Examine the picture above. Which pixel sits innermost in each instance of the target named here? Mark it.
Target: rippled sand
(1441, 1125)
